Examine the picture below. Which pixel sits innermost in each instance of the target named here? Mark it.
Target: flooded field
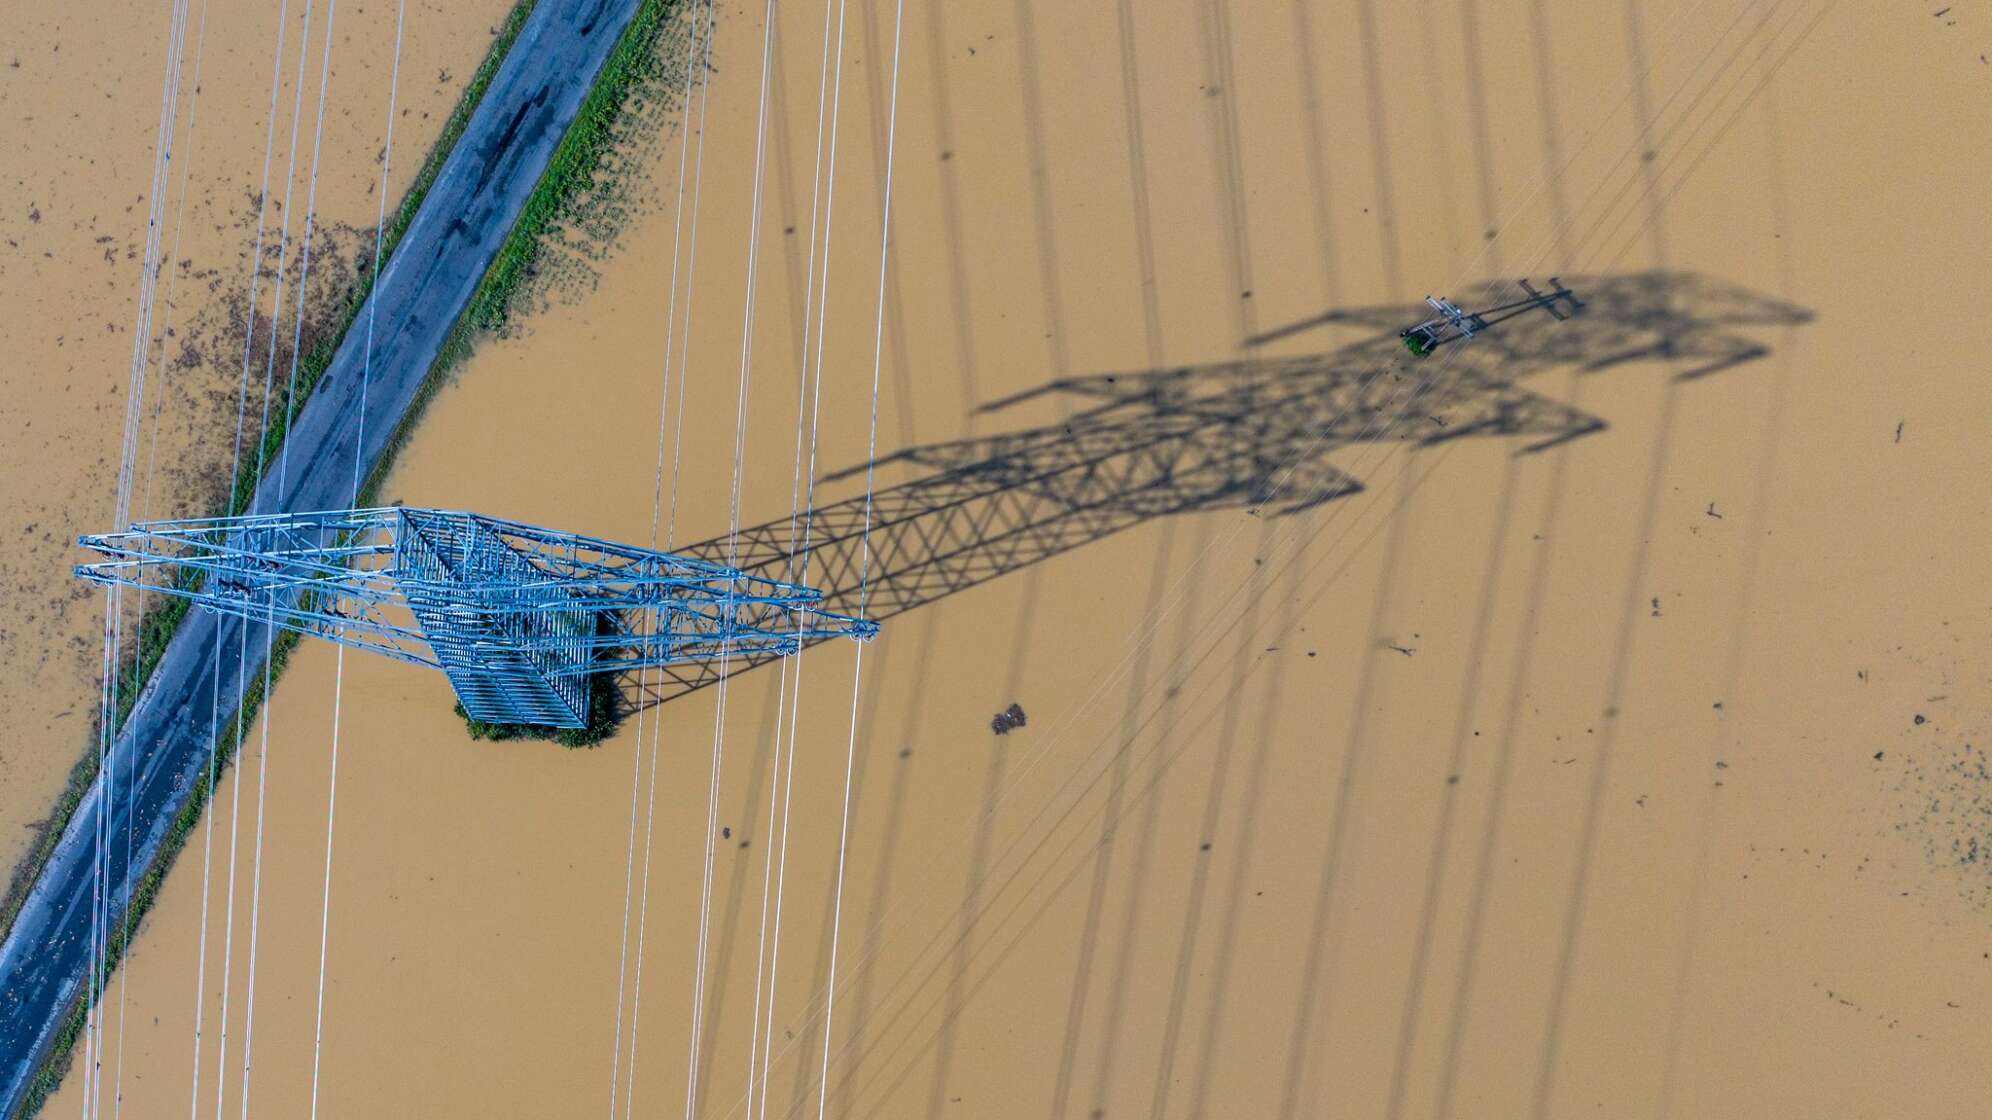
(1620, 753)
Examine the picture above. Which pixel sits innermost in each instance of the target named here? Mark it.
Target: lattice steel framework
(519, 617)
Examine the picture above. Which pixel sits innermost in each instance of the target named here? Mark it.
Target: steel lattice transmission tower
(519, 617)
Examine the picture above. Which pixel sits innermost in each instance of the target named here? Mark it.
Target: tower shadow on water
(1256, 434)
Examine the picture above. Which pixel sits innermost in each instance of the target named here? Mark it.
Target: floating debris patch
(1946, 812)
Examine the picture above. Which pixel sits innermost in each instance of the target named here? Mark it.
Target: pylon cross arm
(518, 616)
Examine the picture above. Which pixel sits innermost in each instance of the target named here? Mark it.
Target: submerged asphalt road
(473, 204)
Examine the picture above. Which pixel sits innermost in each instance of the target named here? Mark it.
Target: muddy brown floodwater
(1584, 782)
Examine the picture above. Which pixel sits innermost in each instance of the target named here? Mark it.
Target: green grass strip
(572, 169)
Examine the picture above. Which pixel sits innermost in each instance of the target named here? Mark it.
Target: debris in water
(1007, 720)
